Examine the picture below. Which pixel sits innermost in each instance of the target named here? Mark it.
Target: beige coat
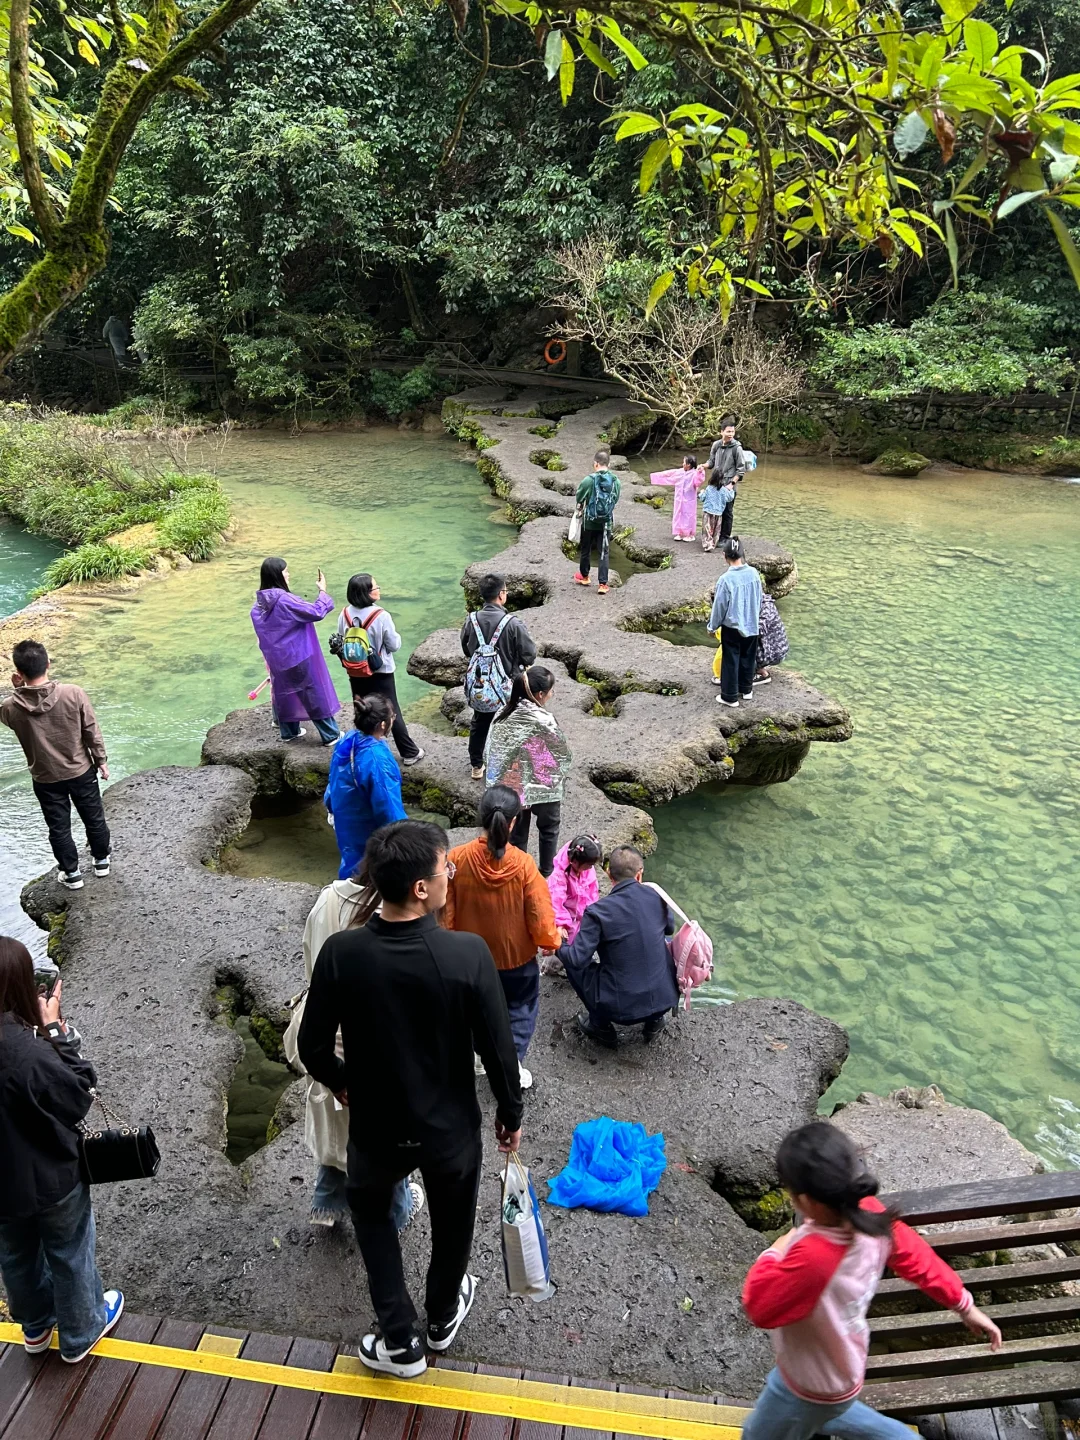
(326, 1122)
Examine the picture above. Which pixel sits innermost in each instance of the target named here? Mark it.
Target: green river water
(917, 883)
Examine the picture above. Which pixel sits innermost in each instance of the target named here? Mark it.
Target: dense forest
(351, 179)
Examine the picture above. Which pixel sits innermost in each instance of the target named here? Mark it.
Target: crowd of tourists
(422, 967)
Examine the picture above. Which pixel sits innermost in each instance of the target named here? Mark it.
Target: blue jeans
(330, 1195)
(522, 990)
(49, 1272)
(327, 728)
(780, 1415)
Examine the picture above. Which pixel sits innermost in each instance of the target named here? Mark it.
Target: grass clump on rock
(62, 478)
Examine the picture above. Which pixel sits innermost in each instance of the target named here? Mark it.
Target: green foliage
(96, 560)
(394, 395)
(972, 341)
(60, 477)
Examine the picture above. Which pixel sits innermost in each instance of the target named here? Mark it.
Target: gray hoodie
(57, 729)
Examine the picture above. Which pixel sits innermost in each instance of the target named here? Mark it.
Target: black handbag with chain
(118, 1152)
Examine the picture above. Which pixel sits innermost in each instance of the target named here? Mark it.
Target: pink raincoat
(687, 483)
(571, 890)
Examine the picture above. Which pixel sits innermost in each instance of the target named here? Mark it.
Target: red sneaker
(580, 579)
(601, 589)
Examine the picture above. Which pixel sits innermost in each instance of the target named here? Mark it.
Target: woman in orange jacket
(498, 893)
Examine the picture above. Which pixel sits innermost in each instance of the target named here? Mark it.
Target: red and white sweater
(814, 1297)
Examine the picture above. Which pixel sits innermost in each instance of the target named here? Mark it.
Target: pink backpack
(691, 949)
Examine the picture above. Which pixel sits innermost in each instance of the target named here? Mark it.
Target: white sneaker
(289, 740)
(417, 1197)
(524, 1076)
(731, 704)
(441, 1337)
(478, 1066)
(749, 697)
(414, 759)
(71, 879)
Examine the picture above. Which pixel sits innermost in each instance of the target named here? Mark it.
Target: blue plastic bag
(613, 1165)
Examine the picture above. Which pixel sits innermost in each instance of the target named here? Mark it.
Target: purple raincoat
(300, 682)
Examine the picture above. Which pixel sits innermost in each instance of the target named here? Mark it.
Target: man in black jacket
(633, 977)
(515, 649)
(413, 1002)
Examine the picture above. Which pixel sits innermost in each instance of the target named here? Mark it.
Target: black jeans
(56, 799)
(738, 662)
(589, 538)
(478, 733)
(727, 519)
(452, 1186)
(548, 818)
(382, 683)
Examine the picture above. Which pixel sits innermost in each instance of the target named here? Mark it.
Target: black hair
(729, 419)
(821, 1161)
(584, 850)
(602, 457)
(18, 990)
(371, 711)
(733, 548)
(272, 573)
(492, 586)
(624, 862)
(367, 902)
(689, 459)
(400, 854)
(358, 594)
(499, 808)
(30, 659)
(537, 680)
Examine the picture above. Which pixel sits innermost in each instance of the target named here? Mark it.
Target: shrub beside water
(60, 477)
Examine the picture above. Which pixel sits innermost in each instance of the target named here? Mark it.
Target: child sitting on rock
(573, 885)
(812, 1288)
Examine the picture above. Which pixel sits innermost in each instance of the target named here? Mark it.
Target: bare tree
(682, 358)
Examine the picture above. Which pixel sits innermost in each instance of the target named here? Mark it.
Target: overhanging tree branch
(23, 119)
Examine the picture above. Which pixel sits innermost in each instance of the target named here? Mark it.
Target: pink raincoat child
(687, 482)
(573, 885)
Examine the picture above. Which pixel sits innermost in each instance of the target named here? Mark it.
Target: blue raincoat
(364, 792)
(614, 1165)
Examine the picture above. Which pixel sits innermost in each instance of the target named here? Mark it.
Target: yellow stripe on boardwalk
(584, 1409)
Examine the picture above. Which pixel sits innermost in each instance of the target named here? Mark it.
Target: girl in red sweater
(812, 1288)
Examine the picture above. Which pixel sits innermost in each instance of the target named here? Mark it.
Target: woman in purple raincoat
(285, 626)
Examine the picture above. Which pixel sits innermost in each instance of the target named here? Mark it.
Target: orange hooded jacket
(506, 902)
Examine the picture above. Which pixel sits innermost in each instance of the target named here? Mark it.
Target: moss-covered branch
(77, 246)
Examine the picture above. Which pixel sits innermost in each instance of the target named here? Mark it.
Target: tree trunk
(51, 283)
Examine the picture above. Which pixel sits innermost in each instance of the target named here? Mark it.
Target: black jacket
(516, 648)
(636, 974)
(44, 1093)
(414, 1002)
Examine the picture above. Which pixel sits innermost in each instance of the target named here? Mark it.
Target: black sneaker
(441, 1337)
(605, 1035)
(71, 879)
(406, 1362)
(652, 1028)
(101, 867)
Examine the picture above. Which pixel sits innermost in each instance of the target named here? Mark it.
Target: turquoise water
(22, 559)
(165, 663)
(918, 883)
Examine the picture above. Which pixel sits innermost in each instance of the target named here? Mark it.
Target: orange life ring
(555, 351)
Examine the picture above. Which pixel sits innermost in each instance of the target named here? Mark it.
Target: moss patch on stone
(54, 947)
(547, 460)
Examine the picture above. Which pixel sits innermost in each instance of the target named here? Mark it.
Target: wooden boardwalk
(230, 1385)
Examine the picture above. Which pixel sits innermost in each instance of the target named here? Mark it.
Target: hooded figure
(285, 626)
(363, 793)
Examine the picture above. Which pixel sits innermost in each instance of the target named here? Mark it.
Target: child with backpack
(812, 1288)
(573, 885)
(597, 496)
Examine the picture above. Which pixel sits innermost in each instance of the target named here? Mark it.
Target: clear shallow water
(170, 661)
(919, 883)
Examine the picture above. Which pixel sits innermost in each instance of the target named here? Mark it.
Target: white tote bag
(524, 1245)
(574, 533)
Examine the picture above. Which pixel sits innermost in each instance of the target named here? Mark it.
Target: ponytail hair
(367, 902)
(499, 808)
(821, 1161)
(584, 850)
(733, 548)
(371, 711)
(537, 680)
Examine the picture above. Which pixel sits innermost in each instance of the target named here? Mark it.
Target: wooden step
(1059, 1190)
(1038, 1312)
(977, 1356)
(1028, 1272)
(975, 1391)
(1006, 1237)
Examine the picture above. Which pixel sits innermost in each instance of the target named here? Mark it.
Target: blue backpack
(601, 499)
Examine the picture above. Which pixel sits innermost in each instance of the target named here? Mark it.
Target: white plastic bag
(524, 1245)
(574, 533)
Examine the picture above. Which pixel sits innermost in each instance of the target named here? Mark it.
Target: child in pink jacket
(573, 885)
(812, 1288)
